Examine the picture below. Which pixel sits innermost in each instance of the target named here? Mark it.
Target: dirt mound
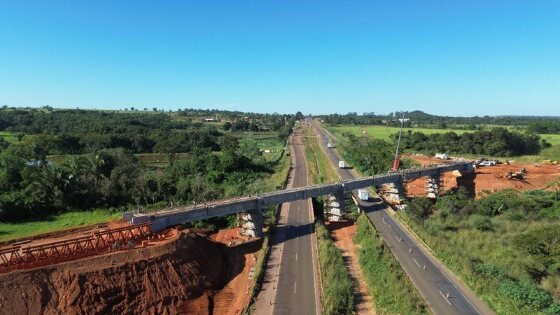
(160, 279)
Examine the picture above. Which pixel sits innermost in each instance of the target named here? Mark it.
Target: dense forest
(87, 131)
(494, 142)
(99, 168)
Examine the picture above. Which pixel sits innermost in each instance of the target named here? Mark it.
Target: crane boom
(397, 161)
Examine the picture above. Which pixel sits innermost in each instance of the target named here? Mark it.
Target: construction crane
(397, 160)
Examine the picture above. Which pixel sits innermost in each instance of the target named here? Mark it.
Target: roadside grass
(39, 225)
(337, 285)
(389, 286)
(461, 247)
(8, 136)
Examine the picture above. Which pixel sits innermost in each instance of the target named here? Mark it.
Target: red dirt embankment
(180, 276)
(490, 178)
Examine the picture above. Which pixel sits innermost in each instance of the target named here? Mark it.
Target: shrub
(481, 223)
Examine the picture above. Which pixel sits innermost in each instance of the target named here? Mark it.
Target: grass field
(8, 136)
(385, 133)
(61, 221)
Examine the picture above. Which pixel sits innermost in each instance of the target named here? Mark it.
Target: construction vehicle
(441, 156)
(549, 162)
(519, 175)
(397, 160)
(363, 194)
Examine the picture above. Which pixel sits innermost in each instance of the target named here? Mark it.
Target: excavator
(519, 175)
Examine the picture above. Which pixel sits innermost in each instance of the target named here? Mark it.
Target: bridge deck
(180, 215)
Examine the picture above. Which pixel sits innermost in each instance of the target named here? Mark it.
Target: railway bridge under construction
(250, 208)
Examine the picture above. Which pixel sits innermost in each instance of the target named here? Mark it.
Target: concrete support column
(335, 209)
(393, 193)
(433, 184)
(252, 223)
(466, 179)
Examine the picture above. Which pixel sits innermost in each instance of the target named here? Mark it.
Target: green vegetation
(337, 285)
(509, 241)
(319, 166)
(44, 224)
(420, 119)
(133, 160)
(386, 133)
(494, 142)
(389, 286)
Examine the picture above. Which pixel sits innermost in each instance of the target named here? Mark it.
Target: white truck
(341, 164)
(363, 194)
(330, 145)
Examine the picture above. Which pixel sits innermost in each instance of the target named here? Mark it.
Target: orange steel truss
(97, 242)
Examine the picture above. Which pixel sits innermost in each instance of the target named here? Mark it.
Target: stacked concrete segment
(433, 184)
(393, 193)
(335, 208)
(252, 223)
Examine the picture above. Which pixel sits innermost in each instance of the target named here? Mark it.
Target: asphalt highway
(296, 292)
(442, 291)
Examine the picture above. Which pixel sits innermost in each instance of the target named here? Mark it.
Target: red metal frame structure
(98, 241)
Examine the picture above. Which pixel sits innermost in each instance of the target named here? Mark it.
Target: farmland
(386, 132)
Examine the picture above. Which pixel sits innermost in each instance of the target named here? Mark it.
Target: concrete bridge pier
(394, 193)
(433, 184)
(252, 223)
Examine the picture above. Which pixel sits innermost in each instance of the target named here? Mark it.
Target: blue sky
(443, 57)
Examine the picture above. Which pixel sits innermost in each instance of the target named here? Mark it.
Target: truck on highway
(341, 164)
(363, 194)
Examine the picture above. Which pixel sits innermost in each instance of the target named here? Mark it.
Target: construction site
(123, 268)
(492, 178)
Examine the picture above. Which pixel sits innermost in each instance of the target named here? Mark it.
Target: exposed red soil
(343, 234)
(490, 178)
(189, 273)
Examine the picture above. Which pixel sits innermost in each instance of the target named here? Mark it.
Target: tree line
(494, 142)
(101, 170)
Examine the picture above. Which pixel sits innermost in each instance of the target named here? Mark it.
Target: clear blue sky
(443, 57)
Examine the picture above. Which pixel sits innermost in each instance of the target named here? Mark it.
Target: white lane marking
(476, 309)
(416, 261)
(296, 256)
(446, 299)
(295, 287)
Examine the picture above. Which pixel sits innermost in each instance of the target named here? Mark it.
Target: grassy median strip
(337, 285)
(319, 166)
(388, 285)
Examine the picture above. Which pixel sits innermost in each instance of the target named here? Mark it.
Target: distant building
(404, 119)
(209, 119)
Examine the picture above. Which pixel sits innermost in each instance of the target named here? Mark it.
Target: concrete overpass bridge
(250, 207)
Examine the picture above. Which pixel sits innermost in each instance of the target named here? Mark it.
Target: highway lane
(296, 292)
(442, 292)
